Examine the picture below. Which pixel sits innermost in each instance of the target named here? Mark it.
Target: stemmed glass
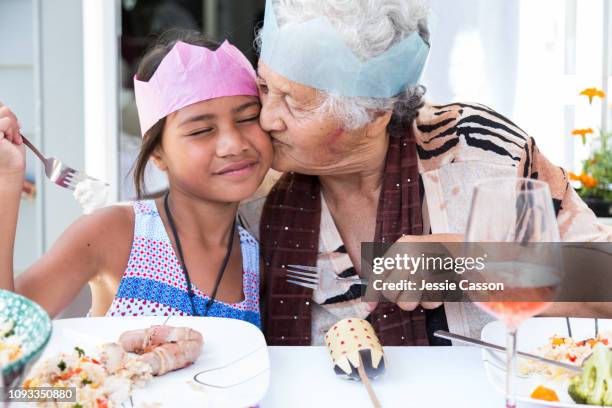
(513, 221)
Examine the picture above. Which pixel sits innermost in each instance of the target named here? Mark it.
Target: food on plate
(107, 380)
(563, 349)
(172, 356)
(352, 341)
(144, 340)
(10, 343)
(101, 382)
(594, 385)
(544, 394)
(164, 348)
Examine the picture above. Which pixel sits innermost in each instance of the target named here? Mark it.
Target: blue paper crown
(311, 53)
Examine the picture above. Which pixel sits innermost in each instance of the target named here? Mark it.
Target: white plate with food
(167, 366)
(546, 336)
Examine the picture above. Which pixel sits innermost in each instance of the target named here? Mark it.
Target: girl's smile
(238, 170)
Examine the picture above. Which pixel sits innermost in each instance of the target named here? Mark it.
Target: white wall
(61, 36)
(17, 91)
(61, 44)
(474, 53)
(526, 59)
(41, 79)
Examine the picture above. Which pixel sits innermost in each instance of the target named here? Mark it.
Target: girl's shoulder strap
(145, 207)
(147, 223)
(250, 250)
(246, 237)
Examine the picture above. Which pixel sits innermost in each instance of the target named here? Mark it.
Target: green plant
(596, 177)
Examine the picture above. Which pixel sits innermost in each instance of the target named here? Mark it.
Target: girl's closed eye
(200, 132)
(250, 118)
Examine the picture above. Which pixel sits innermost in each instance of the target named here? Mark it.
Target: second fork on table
(313, 277)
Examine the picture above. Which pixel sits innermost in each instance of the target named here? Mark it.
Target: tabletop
(416, 377)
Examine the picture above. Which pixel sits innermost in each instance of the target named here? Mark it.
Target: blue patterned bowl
(32, 323)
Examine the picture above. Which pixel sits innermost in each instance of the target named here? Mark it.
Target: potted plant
(596, 177)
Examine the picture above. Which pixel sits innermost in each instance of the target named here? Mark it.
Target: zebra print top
(461, 143)
(457, 144)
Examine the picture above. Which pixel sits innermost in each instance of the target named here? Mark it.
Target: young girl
(182, 253)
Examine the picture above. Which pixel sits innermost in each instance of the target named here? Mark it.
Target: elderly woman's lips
(278, 142)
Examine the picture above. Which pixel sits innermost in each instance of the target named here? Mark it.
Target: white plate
(533, 334)
(225, 340)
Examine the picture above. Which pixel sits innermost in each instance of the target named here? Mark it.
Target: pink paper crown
(191, 74)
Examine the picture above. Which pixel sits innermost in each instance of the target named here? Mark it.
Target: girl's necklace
(177, 240)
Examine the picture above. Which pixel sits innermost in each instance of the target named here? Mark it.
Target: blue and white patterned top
(153, 283)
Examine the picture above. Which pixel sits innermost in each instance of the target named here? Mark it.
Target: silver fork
(310, 277)
(56, 171)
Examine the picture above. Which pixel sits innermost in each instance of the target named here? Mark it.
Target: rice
(10, 344)
(563, 349)
(104, 382)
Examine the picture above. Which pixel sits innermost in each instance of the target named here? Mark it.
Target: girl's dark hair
(147, 67)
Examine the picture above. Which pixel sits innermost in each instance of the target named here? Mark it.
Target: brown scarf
(290, 235)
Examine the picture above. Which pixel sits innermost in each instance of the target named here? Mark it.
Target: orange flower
(588, 181)
(593, 92)
(582, 132)
(574, 176)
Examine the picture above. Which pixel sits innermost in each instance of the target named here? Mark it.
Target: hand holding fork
(58, 172)
(12, 155)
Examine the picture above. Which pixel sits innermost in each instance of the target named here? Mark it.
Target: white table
(416, 377)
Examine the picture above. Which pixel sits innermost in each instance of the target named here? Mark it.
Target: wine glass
(513, 221)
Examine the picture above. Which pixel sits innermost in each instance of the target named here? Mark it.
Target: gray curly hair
(369, 28)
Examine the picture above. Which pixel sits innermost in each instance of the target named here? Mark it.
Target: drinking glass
(515, 218)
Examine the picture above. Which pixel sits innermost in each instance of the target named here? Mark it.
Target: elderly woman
(364, 158)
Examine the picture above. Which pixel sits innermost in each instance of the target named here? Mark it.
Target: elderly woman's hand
(396, 296)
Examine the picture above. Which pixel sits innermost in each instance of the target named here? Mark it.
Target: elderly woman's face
(304, 141)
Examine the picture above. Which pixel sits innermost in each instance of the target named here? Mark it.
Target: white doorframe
(607, 20)
(41, 244)
(101, 36)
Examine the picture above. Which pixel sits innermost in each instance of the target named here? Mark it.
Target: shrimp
(172, 356)
(144, 340)
(164, 348)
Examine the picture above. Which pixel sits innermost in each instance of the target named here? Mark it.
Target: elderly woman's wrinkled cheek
(335, 135)
(334, 141)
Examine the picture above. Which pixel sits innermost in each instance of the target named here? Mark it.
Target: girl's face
(215, 149)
